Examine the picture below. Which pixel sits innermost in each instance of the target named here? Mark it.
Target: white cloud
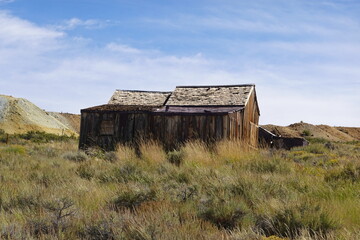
(15, 31)
(73, 23)
(122, 48)
(24, 45)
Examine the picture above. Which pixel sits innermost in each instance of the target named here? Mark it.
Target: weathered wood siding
(106, 129)
(251, 120)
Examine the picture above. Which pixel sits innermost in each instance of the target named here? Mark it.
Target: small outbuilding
(207, 113)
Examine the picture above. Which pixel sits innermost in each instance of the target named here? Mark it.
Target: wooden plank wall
(132, 127)
(251, 120)
(175, 129)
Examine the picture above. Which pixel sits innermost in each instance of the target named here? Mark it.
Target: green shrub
(131, 199)
(129, 172)
(175, 157)
(306, 133)
(348, 173)
(189, 192)
(291, 221)
(102, 230)
(39, 227)
(15, 149)
(23, 201)
(110, 156)
(44, 178)
(77, 156)
(85, 171)
(182, 177)
(3, 136)
(269, 166)
(228, 214)
(316, 148)
(95, 152)
(44, 151)
(43, 137)
(312, 140)
(245, 190)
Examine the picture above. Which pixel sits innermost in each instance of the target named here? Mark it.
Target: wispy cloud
(6, 1)
(122, 48)
(326, 48)
(73, 23)
(15, 31)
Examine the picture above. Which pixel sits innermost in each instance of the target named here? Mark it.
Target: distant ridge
(18, 115)
(341, 134)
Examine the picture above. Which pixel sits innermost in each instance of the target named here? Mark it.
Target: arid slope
(302, 129)
(72, 121)
(18, 115)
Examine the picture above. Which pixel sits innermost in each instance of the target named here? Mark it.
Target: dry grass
(125, 153)
(152, 152)
(196, 153)
(224, 191)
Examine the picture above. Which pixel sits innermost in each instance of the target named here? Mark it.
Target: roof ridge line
(145, 91)
(206, 86)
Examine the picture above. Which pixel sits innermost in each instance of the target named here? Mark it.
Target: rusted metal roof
(231, 95)
(144, 98)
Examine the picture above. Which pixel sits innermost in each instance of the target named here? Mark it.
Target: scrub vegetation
(50, 190)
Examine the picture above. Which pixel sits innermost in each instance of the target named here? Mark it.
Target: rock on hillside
(18, 115)
(316, 131)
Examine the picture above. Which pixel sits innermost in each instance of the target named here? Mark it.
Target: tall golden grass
(221, 191)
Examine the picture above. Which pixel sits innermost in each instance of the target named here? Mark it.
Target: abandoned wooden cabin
(208, 113)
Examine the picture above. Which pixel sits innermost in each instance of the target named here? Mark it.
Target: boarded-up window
(107, 124)
(107, 127)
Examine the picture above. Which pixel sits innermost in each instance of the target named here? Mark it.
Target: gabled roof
(144, 98)
(222, 95)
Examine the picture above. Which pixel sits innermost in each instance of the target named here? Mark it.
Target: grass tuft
(77, 156)
(132, 199)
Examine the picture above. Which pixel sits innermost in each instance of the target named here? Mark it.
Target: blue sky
(303, 56)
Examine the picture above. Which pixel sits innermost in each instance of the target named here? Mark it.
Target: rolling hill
(301, 129)
(18, 115)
